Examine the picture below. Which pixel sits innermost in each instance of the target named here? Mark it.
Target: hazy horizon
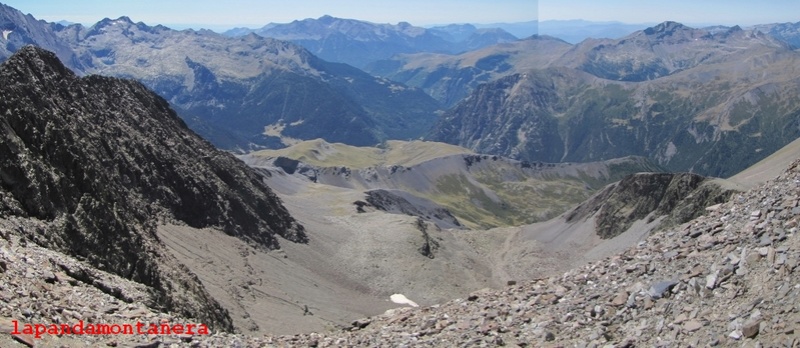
(218, 16)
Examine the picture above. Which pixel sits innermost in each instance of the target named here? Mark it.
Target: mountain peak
(327, 19)
(108, 21)
(35, 61)
(667, 27)
(124, 19)
(31, 52)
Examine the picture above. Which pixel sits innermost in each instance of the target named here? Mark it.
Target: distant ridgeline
(710, 101)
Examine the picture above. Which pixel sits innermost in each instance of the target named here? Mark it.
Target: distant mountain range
(575, 31)
(359, 43)
(690, 99)
(241, 93)
(449, 78)
(709, 100)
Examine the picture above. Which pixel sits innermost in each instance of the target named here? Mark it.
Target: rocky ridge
(674, 197)
(96, 163)
(40, 285)
(727, 278)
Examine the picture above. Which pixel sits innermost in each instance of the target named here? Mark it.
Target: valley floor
(355, 261)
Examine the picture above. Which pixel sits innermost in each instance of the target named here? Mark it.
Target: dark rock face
(102, 159)
(491, 120)
(429, 244)
(678, 197)
(395, 202)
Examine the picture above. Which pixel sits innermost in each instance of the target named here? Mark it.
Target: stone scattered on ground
(728, 278)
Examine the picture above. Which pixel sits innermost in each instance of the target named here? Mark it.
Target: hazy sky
(225, 14)
(727, 12)
(256, 13)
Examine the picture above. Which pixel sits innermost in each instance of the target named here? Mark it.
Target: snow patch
(671, 151)
(401, 299)
(5, 34)
(397, 88)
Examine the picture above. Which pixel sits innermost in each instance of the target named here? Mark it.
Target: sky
(705, 12)
(226, 14)
(222, 14)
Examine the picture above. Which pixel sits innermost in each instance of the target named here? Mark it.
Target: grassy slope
(481, 191)
(402, 153)
(769, 167)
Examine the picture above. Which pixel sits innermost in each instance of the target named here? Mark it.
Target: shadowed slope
(102, 160)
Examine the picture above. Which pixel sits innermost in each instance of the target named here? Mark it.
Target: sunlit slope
(481, 191)
(402, 153)
(769, 167)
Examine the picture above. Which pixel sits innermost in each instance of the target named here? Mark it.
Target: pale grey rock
(658, 289)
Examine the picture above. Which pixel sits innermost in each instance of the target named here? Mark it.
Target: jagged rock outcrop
(676, 198)
(401, 202)
(101, 161)
(429, 244)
